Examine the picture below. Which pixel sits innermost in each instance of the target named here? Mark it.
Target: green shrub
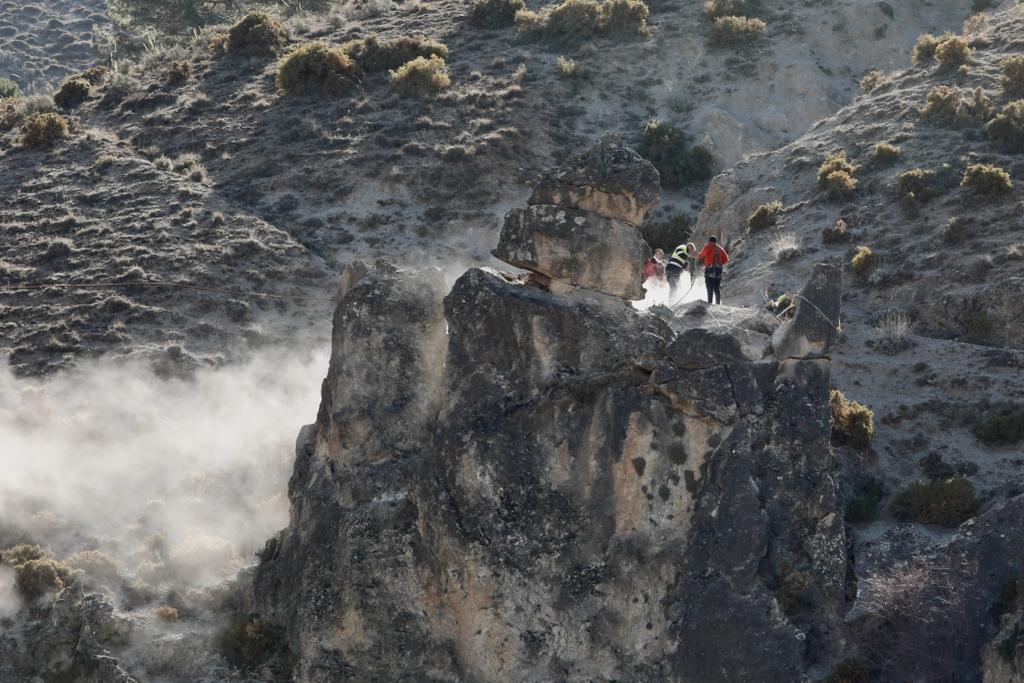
(44, 575)
(678, 164)
(257, 34)
(952, 52)
(987, 179)
(852, 423)
(919, 184)
(886, 154)
(765, 216)
(872, 80)
(9, 89)
(725, 8)
(421, 76)
(736, 31)
(837, 233)
(1006, 130)
(1013, 75)
(494, 13)
(1003, 428)
(864, 508)
(316, 68)
(842, 183)
(865, 261)
(42, 130)
(572, 22)
(571, 69)
(374, 55)
(947, 503)
(952, 107)
(72, 93)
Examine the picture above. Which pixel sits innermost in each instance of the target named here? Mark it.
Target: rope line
(160, 283)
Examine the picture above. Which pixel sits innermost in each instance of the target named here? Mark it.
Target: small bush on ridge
(987, 179)
(836, 175)
(919, 184)
(495, 13)
(952, 107)
(765, 216)
(316, 68)
(41, 130)
(668, 149)
(72, 93)
(947, 503)
(872, 80)
(852, 422)
(421, 76)
(570, 68)
(725, 8)
(572, 22)
(736, 31)
(1006, 130)
(886, 154)
(865, 261)
(374, 55)
(1013, 75)
(952, 52)
(257, 34)
(9, 89)
(837, 233)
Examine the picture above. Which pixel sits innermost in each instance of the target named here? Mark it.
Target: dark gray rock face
(814, 328)
(509, 484)
(608, 179)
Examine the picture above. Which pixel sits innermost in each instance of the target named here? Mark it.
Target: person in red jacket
(654, 269)
(713, 258)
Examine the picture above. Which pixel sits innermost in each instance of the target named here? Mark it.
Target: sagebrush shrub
(1013, 75)
(678, 164)
(1006, 130)
(421, 76)
(872, 80)
(571, 22)
(947, 503)
(624, 18)
(166, 614)
(919, 184)
(180, 72)
(835, 163)
(374, 55)
(257, 34)
(839, 184)
(725, 8)
(41, 130)
(853, 423)
(570, 68)
(495, 13)
(765, 216)
(316, 68)
(72, 93)
(1003, 428)
(886, 154)
(924, 49)
(952, 52)
(23, 552)
(40, 576)
(865, 261)
(734, 31)
(837, 233)
(953, 107)
(987, 179)
(8, 89)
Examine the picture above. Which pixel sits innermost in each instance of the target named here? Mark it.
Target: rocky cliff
(509, 483)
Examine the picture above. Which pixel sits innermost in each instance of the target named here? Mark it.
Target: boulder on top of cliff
(580, 248)
(814, 328)
(609, 179)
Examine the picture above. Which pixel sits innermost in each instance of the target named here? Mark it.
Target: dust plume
(178, 480)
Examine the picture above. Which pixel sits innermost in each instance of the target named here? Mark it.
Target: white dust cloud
(180, 481)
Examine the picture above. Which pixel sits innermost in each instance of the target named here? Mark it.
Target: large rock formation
(579, 229)
(508, 484)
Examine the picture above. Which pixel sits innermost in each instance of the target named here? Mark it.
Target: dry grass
(865, 261)
(784, 246)
(892, 332)
(43, 130)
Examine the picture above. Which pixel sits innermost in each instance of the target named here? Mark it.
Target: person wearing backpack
(683, 258)
(713, 258)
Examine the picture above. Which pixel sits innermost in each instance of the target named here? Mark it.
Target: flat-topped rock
(609, 179)
(815, 326)
(581, 248)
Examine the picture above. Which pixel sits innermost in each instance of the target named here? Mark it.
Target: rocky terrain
(516, 473)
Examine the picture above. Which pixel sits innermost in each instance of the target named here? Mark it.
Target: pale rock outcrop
(579, 230)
